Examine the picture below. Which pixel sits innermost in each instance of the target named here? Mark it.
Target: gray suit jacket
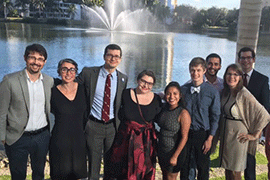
(89, 76)
(14, 105)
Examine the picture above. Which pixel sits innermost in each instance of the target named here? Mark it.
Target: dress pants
(99, 139)
(35, 145)
(195, 142)
(267, 146)
(250, 171)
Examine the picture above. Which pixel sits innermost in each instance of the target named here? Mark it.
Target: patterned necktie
(245, 80)
(106, 100)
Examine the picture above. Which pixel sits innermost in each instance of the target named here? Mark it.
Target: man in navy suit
(203, 104)
(257, 84)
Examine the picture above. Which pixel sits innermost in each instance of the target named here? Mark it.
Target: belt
(232, 118)
(36, 131)
(92, 118)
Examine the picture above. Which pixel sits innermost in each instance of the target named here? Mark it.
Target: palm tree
(72, 10)
(7, 6)
(249, 23)
(39, 4)
(23, 4)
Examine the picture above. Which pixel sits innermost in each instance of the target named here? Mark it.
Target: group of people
(97, 117)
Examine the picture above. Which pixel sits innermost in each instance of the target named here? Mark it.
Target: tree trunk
(249, 24)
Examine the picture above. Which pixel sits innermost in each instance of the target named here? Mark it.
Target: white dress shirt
(37, 116)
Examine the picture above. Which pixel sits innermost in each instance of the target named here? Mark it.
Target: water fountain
(123, 15)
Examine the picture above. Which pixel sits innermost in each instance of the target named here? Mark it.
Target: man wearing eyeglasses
(24, 115)
(104, 86)
(257, 84)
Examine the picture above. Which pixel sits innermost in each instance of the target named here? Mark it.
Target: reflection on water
(166, 54)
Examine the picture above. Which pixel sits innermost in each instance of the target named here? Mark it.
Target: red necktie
(106, 100)
(245, 80)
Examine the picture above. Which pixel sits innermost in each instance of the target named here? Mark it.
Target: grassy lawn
(260, 160)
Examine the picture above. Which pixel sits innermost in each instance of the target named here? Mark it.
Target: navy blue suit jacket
(259, 88)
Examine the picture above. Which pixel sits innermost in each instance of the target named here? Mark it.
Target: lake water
(167, 54)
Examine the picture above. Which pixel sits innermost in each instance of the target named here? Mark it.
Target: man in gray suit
(24, 115)
(100, 132)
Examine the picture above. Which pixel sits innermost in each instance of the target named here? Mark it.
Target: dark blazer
(89, 76)
(14, 104)
(209, 105)
(259, 88)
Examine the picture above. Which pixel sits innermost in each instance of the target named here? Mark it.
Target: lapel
(253, 81)
(47, 89)
(24, 86)
(120, 82)
(93, 83)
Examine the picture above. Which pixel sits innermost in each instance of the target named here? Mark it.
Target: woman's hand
(173, 161)
(246, 137)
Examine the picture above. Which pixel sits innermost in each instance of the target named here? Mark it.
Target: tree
(199, 19)
(93, 2)
(183, 12)
(23, 4)
(38, 4)
(6, 7)
(160, 11)
(215, 15)
(72, 10)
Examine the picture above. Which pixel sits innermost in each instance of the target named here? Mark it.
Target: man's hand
(207, 144)
(4, 142)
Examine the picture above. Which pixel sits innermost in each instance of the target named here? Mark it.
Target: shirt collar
(250, 72)
(28, 78)
(218, 80)
(104, 73)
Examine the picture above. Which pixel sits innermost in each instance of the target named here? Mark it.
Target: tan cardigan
(255, 117)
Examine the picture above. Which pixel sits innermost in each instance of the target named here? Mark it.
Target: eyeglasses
(249, 58)
(33, 58)
(145, 82)
(66, 70)
(233, 74)
(112, 56)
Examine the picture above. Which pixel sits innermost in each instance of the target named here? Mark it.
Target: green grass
(260, 159)
(29, 177)
(262, 176)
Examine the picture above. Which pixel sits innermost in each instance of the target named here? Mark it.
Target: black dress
(169, 138)
(68, 146)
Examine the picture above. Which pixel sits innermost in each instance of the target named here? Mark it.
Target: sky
(199, 4)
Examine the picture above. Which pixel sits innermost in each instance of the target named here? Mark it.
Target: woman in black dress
(67, 146)
(134, 149)
(174, 122)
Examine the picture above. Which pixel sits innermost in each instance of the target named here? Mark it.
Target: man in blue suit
(203, 104)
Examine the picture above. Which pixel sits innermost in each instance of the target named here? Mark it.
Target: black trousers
(195, 143)
(250, 171)
(36, 146)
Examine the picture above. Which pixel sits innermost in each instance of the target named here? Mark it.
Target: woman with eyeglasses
(67, 151)
(243, 119)
(134, 148)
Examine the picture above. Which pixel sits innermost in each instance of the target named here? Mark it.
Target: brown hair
(239, 86)
(197, 61)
